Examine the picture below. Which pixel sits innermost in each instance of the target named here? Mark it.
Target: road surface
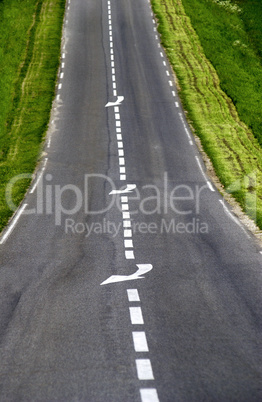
(124, 276)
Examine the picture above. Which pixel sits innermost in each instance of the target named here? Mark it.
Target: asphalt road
(152, 294)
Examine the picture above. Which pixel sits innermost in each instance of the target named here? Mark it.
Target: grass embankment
(30, 38)
(228, 141)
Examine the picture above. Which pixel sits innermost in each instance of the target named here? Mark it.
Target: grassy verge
(30, 38)
(230, 143)
(233, 48)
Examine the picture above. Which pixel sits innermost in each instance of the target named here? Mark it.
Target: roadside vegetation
(30, 38)
(215, 49)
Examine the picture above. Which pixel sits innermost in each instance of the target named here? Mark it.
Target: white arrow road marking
(142, 269)
(118, 102)
(128, 189)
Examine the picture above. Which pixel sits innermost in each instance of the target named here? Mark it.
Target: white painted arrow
(118, 102)
(142, 269)
(128, 189)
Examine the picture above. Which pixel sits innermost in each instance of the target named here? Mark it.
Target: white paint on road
(144, 369)
(211, 188)
(142, 269)
(140, 341)
(149, 395)
(204, 175)
(117, 102)
(136, 316)
(128, 233)
(125, 207)
(233, 218)
(128, 243)
(133, 295)
(128, 189)
(129, 254)
(39, 176)
(12, 225)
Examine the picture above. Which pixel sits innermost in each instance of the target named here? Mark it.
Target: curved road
(123, 276)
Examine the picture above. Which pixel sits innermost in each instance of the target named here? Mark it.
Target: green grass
(229, 142)
(231, 41)
(30, 38)
(251, 16)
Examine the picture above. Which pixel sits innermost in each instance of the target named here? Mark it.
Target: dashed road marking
(39, 176)
(128, 233)
(125, 207)
(140, 341)
(136, 315)
(133, 295)
(204, 175)
(128, 243)
(149, 395)
(126, 215)
(13, 223)
(144, 369)
(129, 254)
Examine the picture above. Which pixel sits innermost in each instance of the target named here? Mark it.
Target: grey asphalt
(63, 336)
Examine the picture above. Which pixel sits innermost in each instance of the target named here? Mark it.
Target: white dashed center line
(140, 341)
(144, 369)
(133, 295)
(149, 395)
(136, 315)
(143, 366)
